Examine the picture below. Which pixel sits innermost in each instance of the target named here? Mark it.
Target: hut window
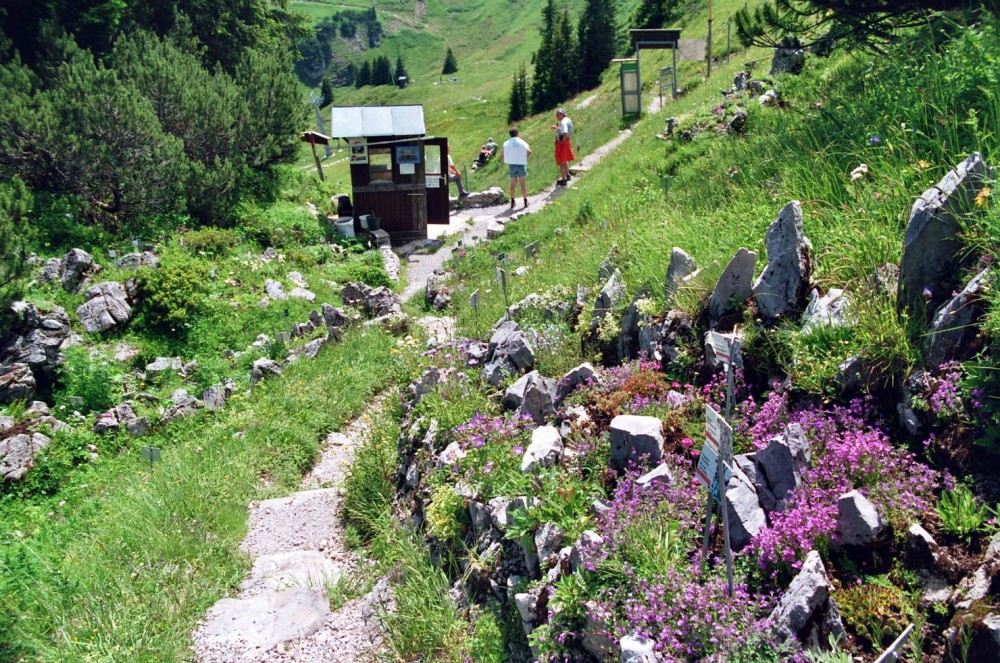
(380, 164)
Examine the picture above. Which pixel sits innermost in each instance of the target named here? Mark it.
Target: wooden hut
(398, 172)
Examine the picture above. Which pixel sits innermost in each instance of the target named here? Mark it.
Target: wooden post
(708, 41)
(319, 166)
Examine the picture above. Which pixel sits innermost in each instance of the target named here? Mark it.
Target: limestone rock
(17, 454)
(106, 308)
(17, 383)
(544, 451)
(548, 541)
(932, 246)
(533, 395)
(781, 287)
(733, 287)
(162, 364)
(265, 368)
(579, 375)
(508, 353)
(831, 310)
(635, 438)
(806, 611)
(779, 467)
(858, 523)
(636, 649)
(263, 622)
(746, 518)
(955, 324)
(788, 60)
(681, 266)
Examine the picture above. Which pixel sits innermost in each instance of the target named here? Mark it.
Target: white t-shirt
(565, 127)
(515, 152)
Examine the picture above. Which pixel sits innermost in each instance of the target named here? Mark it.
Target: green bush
(211, 241)
(281, 225)
(960, 514)
(367, 269)
(171, 293)
(89, 378)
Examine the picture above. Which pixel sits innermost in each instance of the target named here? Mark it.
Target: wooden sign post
(315, 138)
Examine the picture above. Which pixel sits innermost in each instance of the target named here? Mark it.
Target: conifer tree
(544, 59)
(450, 65)
(596, 35)
(364, 76)
(400, 71)
(564, 71)
(518, 96)
(15, 231)
(382, 71)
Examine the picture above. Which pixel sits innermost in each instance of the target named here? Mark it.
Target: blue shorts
(517, 170)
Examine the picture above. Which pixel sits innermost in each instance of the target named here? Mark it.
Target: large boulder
(733, 287)
(955, 324)
(265, 368)
(636, 649)
(533, 395)
(17, 454)
(106, 308)
(781, 288)
(573, 379)
(136, 260)
(932, 246)
(636, 438)
(806, 611)
(508, 353)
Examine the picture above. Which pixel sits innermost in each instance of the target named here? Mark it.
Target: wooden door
(436, 158)
(398, 198)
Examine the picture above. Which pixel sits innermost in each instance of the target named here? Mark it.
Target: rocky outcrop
(533, 395)
(781, 288)
(72, 271)
(17, 454)
(508, 354)
(806, 611)
(635, 438)
(106, 308)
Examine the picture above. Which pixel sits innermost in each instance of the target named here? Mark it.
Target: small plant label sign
(152, 454)
(726, 348)
(282, 337)
(475, 301)
(718, 443)
(531, 250)
(502, 277)
(891, 655)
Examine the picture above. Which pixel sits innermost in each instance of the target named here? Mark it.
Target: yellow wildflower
(983, 196)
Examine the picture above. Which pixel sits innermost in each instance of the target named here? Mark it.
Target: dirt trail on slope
(282, 612)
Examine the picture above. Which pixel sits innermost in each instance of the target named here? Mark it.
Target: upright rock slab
(533, 395)
(932, 247)
(681, 266)
(734, 286)
(955, 324)
(806, 611)
(858, 523)
(746, 518)
(781, 289)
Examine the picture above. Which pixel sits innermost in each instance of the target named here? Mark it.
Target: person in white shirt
(455, 175)
(564, 144)
(515, 153)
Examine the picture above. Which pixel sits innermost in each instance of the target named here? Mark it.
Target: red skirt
(564, 151)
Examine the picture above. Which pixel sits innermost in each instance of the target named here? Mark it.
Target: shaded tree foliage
(596, 42)
(555, 67)
(657, 13)
(867, 23)
(450, 64)
(144, 129)
(364, 76)
(400, 70)
(382, 71)
(518, 96)
(15, 232)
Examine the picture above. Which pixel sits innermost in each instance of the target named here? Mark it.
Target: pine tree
(564, 82)
(450, 65)
(364, 76)
(382, 71)
(544, 59)
(596, 46)
(518, 96)
(15, 231)
(401, 72)
(326, 92)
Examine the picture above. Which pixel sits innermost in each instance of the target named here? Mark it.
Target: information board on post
(718, 445)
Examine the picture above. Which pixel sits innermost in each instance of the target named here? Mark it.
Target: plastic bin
(369, 221)
(345, 226)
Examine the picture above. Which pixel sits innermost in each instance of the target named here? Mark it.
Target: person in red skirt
(564, 145)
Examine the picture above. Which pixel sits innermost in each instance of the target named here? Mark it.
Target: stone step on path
(282, 613)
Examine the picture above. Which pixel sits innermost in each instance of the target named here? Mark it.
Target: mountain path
(282, 612)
